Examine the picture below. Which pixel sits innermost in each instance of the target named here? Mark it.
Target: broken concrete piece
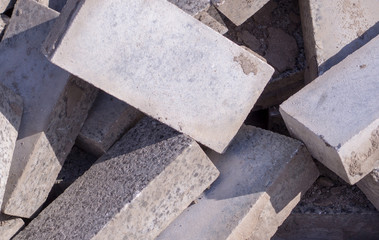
(55, 107)
(11, 107)
(212, 19)
(238, 11)
(192, 85)
(337, 115)
(133, 192)
(192, 7)
(257, 189)
(9, 226)
(6, 4)
(334, 29)
(107, 121)
(370, 186)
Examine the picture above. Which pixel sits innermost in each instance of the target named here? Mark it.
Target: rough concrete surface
(107, 121)
(337, 115)
(55, 107)
(257, 189)
(11, 108)
(335, 29)
(133, 192)
(238, 11)
(9, 226)
(212, 74)
(370, 186)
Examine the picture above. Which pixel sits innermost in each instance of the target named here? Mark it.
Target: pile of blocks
(159, 96)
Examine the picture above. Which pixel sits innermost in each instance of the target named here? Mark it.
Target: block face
(9, 226)
(252, 178)
(141, 184)
(216, 74)
(337, 115)
(107, 120)
(11, 107)
(238, 11)
(192, 7)
(55, 107)
(354, 23)
(370, 186)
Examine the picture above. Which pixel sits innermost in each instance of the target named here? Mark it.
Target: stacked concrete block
(262, 176)
(337, 115)
(107, 121)
(334, 29)
(55, 107)
(133, 192)
(370, 186)
(238, 11)
(9, 226)
(11, 108)
(193, 86)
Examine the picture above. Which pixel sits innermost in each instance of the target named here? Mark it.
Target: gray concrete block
(6, 4)
(337, 115)
(193, 86)
(11, 108)
(55, 107)
(334, 29)
(238, 11)
(262, 176)
(9, 226)
(107, 121)
(133, 192)
(370, 186)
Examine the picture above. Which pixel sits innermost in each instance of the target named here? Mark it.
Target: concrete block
(370, 186)
(238, 11)
(107, 121)
(6, 4)
(337, 115)
(133, 192)
(55, 107)
(334, 29)
(11, 107)
(4, 20)
(192, 7)
(9, 226)
(212, 19)
(262, 176)
(193, 86)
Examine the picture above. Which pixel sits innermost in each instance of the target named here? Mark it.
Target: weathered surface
(257, 189)
(55, 107)
(354, 23)
(11, 107)
(370, 186)
(337, 115)
(193, 86)
(238, 11)
(212, 19)
(4, 20)
(133, 192)
(6, 4)
(107, 121)
(192, 7)
(9, 226)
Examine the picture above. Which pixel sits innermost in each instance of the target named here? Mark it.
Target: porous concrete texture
(204, 86)
(192, 7)
(6, 4)
(257, 189)
(238, 11)
(11, 107)
(370, 186)
(107, 121)
(337, 115)
(334, 29)
(133, 192)
(55, 107)
(212, 19)
(4, 20)
(9, 226)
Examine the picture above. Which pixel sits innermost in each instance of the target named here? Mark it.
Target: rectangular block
(262, 175)
(11, 107)
(55, 107)
(238, 11)
(355, 22)
(193, 86)
(133, 192)
(9, 226)
(337, 115)
(370, 186)
(107, 121)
